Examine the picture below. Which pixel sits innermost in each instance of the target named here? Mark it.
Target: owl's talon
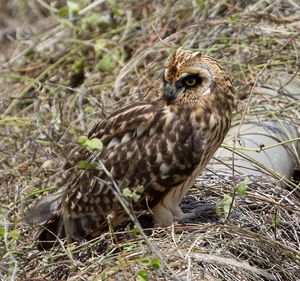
(205, 210)
(198, 214)
(186, 218)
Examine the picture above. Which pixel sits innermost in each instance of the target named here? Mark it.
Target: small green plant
(73, 8)
(276, 220)
(109, 61)
(225, 205)
(90, 166)
(78, 65)
(91, 144)
(136, 230)
(154, 262)
(228, 202)
(201, 4)
(14, 234)
(142, 275)
(128, 193)
(241, 187)
(100, 45)
(150, 263)
(95, 20)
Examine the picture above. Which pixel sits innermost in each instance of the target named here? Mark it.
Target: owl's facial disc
(175, 91)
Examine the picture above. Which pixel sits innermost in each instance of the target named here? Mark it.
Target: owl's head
(192, 76)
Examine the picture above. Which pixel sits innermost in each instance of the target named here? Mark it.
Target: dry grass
(61, 72)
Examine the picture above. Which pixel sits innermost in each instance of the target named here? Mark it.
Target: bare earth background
(64, 65)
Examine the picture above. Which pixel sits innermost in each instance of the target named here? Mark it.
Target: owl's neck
(223, 96)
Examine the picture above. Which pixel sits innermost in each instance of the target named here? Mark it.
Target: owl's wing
(87, 197)
(133, 119)
(130, 121)
(148, 144)
(144, 144)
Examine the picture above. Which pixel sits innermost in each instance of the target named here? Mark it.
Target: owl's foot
(162, 216)
(165, 216)
(201, 213)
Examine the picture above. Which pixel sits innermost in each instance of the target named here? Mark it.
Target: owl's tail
(45, 213)
(49, 234)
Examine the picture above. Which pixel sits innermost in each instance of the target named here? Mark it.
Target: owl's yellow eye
(191, 81)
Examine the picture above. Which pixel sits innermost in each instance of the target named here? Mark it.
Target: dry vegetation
(62, 68)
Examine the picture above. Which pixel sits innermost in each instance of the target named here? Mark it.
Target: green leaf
(82, 139)
(93, 166)
(96, 144)
(241, 187)
(78, 65)
(88, 109)
(2, 231)
(136, 230)
(131, 194)
(92, 144)
(218, 211)
(201, 4)
(63, 12)
(117, 11)
(110, 60)
(276, 220)
(100, 45)
(83, 164)
(95, 20)
(224, 204)
(143, 275)
(14, 234)
(127, 192)
(227, 202)
(144, 261)
(73, 8)
(136, 197)
(107, 63)
(155, 262)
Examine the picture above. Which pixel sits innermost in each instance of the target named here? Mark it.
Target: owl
(153, 147)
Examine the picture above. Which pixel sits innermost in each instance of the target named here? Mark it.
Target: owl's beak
(173, 92)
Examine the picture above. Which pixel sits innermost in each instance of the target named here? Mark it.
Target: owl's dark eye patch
(191, 81)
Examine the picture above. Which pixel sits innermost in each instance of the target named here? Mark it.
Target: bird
(153, 147)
